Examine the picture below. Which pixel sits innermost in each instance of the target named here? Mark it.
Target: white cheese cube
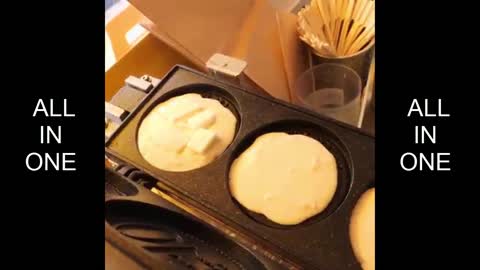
(201, 140)
(202, 120)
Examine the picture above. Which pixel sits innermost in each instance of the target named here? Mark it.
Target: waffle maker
(190, 220)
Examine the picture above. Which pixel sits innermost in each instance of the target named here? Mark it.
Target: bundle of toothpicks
(337, 28)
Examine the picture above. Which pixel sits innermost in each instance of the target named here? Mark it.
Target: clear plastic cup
(332, 90)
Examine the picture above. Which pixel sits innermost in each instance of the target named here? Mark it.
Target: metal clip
(114, 113)
(154, 81)
(226, 68)
(139, 84)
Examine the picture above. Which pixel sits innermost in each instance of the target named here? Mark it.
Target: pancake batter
(287, 178)
(362, 230)
(185, 132)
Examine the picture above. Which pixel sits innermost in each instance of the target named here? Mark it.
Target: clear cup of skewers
(339, 31)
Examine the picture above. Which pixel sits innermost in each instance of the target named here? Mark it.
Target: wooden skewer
(345, 25)
(314, 22)
(328, 15)
(325, 48)
(326, 19)
(357, 10)
(362, 7)
(307, 34)
(332, 13)
(362, 40)
(319, 46)
(358, 7)
(314, 45)
(358, 25)
(368, 31)
(339, 13)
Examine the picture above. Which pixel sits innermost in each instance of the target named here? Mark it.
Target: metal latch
(226, 68)
(154, 81)
(145, 83)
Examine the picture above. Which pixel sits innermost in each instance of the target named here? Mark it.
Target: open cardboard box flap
(250, 30)
(119, 28)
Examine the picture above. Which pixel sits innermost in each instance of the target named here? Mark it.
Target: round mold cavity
(319, 133)
(206, 91)
(173, 238)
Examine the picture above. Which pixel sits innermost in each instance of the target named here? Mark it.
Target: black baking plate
(153, 228)
(321, 242)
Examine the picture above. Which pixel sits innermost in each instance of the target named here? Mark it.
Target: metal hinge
(126, 99)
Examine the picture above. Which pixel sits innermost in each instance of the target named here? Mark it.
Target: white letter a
(413, 109)
(42, 109)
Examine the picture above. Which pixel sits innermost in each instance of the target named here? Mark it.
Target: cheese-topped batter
(185, 132)
(287, 178)
(362, 230)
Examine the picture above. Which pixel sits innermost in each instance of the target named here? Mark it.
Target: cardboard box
(131, 50)
(122, 30)
(249, 30)
(138, 54)
(149, 56)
